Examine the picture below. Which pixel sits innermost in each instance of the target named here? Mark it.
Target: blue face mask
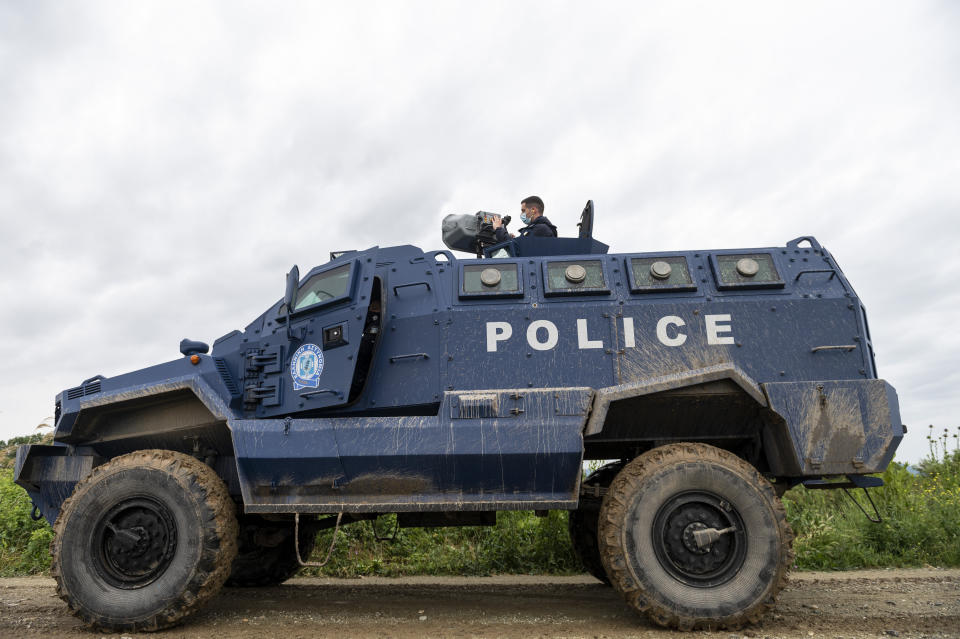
(524, 218)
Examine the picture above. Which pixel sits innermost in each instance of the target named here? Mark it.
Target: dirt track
(905, 603)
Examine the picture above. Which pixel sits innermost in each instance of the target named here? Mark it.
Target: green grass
(921, 526)
(520, 543)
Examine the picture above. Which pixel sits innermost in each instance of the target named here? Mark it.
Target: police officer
(531, 214)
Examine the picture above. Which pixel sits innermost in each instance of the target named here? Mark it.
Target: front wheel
(693, 537)
(144, 541)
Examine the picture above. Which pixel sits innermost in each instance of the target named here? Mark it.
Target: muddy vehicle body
(393, 380)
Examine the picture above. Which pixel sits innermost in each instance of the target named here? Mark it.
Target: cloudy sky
(163, 164)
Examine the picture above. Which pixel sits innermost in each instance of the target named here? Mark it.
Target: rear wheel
(267, 556)
(144, 541)
(693, 537)
(583, 521)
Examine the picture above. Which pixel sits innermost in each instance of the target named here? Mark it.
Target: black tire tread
(582, 525)
(612, 516)
(220, 538)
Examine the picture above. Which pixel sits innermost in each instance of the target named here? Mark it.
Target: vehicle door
(310, 364)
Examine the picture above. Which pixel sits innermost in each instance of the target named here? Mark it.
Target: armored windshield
(323, 286)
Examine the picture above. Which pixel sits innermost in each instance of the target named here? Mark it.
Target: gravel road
(882, 603)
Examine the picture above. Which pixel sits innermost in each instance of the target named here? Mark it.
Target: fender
(180, 412)
(807, 429)
(119, 409)
(605, 396)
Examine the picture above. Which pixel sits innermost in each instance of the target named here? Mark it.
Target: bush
(24, 543)
(920, 509)
(8, 449)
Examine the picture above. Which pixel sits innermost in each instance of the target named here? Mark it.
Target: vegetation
(920, 508)
(24, 543)
(519, 543)
(8, 449)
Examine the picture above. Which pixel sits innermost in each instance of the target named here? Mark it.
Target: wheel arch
(183, 414)
(720, 405)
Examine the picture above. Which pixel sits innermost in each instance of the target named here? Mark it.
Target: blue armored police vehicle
(393, 380)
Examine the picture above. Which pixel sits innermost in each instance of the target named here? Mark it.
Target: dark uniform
(540, 227)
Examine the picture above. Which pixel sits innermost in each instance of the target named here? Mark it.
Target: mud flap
(838, 427)
(49, 475)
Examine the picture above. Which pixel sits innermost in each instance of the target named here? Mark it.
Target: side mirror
(290, 295)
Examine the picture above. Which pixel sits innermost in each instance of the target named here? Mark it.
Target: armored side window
(658, 274)
(499, 279)
(751, 270)
(323, 287)
(577, 277)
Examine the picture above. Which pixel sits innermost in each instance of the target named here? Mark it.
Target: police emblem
(306, 366)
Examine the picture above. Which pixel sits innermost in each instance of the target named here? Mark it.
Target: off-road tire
(582, 523)
(668, 484)
(190, 525)
(260, 565)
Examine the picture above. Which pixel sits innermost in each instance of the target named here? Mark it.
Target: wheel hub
(690, 541)
(134, 542)
(699, 539)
